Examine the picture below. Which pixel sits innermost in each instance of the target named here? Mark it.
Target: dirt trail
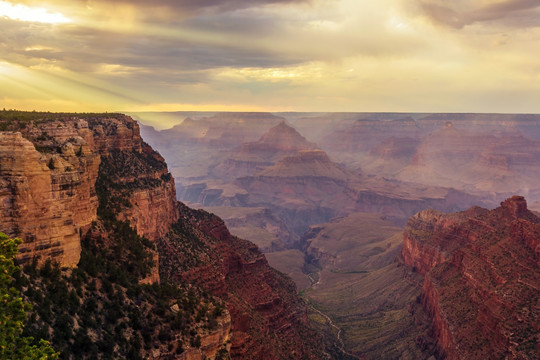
(339, 344)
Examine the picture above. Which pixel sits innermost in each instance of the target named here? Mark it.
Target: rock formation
(280, 141)
(481, 279)
(135, 167)
(94, 176)
(268, 319)
(48, 199)
(50, 196)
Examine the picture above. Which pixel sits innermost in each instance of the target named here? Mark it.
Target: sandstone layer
(482, 272)
(49, 170)
(48, 199)
(268, 319)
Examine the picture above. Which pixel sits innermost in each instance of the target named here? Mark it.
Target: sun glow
(32, 14)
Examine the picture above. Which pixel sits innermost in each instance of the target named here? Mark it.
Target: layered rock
(134, 165)
(48, 199)
(268, 319)
(481, 279)
(280, 141)
(211, 341)
(50, 196)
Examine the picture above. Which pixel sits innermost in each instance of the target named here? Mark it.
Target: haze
(270, 55)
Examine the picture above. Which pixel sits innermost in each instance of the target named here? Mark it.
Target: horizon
(270, 56)
(160, 124)
(156, 119)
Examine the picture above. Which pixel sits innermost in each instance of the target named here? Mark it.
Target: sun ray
(31, 14)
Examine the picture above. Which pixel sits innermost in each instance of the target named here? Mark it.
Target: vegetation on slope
(365, 292)
(100, 309)
(13, 311)
(11, 120)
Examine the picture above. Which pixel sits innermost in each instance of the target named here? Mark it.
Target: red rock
(268, 319)
(47, 206)
(482, 279)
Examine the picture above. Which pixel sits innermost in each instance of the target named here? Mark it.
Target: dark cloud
(457, 14)
(236, 23)
(174, 7)
(86, 49)
(201, 5)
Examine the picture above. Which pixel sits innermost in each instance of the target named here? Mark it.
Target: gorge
(209, 294)
(385, 264)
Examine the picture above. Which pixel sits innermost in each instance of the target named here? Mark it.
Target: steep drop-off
(134, 209)
(482, 277)
(268, 319)
(48, 196)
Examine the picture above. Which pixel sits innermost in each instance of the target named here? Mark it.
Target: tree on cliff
(13, 311)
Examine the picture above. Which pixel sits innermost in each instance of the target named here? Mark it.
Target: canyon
(325, 196)
(381, 220)
(481, 279)
(121, 200)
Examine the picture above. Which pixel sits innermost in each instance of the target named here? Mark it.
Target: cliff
(48, 198)
(120, 204)
(49, 170)
(268, 318)
(482, 272)
(135, 168)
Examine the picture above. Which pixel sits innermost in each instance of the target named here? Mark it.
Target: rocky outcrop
(481, 279)
(132, 164)
(280, 141)
(48, 199)
(421, 249)
(212, 342)
(49, 195)
(268, 319)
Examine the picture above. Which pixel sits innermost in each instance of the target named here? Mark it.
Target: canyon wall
(48, 199)
(269, 321)
(481, 279)
(49, 169)
(136, 168)
(67, 177)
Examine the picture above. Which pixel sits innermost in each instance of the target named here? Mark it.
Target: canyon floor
(326, 196)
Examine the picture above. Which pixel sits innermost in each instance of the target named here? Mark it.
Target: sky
(270, 55)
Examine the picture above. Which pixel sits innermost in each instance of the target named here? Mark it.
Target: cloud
(247, 38)
(159, 57)
(205, 5)
(323, 54)
(459, 13)
(174, 7)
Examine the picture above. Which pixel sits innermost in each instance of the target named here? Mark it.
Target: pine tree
(13, 311)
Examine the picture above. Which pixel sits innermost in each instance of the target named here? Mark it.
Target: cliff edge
(482, 276)
(85, 192)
